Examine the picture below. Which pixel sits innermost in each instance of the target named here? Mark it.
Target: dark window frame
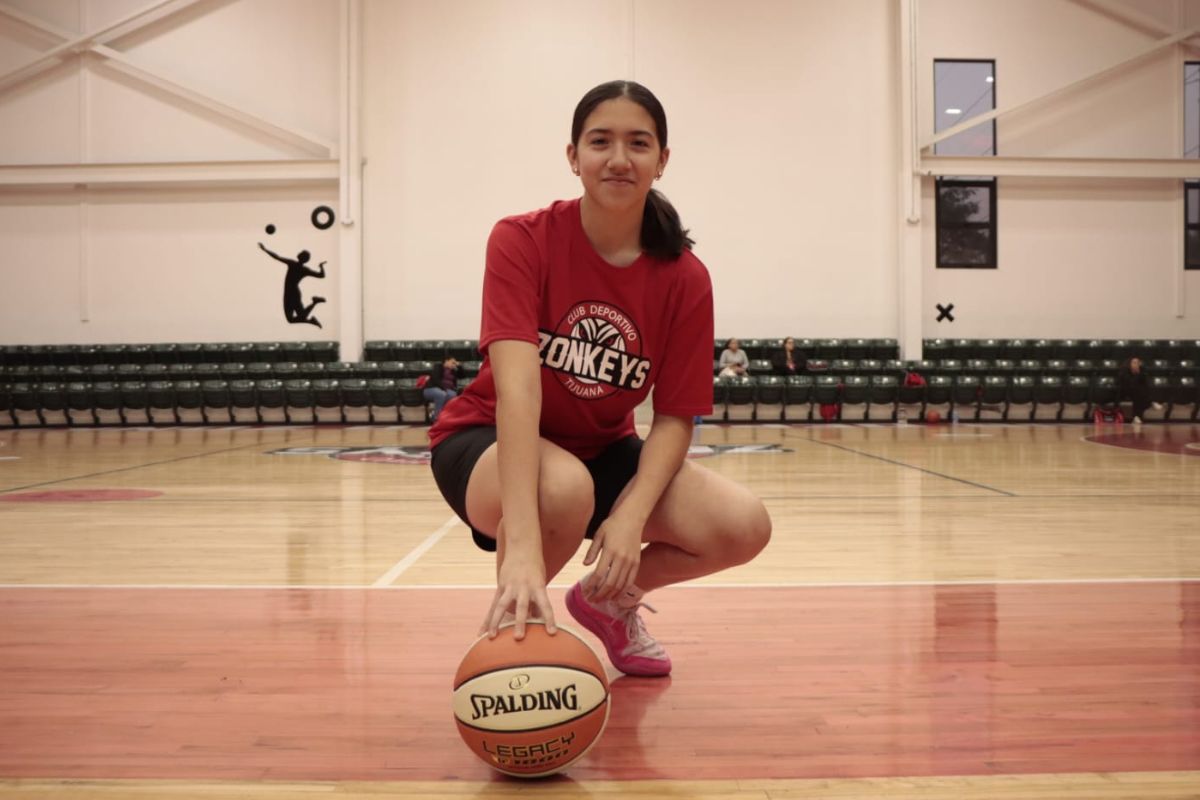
(991, 260)
(1190, 228)
(942, 225)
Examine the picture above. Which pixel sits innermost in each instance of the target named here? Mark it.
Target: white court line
(387, 578)
(693, 585)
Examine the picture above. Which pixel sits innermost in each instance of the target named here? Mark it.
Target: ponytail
(663, 234)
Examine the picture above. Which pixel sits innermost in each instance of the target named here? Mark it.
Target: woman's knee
(565, 493)
(741, 531)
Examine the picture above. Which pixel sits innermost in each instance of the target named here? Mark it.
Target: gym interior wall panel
(466, 120)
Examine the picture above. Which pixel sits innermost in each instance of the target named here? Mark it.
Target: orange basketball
(533, 707)
(933, 417)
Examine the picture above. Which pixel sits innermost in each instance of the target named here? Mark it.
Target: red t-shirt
(605, 334)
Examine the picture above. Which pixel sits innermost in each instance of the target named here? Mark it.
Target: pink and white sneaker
(630, 647)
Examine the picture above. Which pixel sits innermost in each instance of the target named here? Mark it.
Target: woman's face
(1135, 365)
(789, 343)
(618, 155)
(734, 344)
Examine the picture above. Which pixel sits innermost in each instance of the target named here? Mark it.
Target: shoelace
(640, 640)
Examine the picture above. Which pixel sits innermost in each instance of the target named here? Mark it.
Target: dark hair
(663, 234)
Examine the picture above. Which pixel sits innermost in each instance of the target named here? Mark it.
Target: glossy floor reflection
(337, 685)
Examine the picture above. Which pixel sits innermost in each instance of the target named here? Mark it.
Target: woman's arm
(521, 570)
(618, 542)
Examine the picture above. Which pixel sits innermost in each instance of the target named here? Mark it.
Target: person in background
(788, 360)
(1134, 386)
(442, 386)
(734, 361)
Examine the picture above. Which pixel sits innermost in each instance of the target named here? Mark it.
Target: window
(966, 206)
(1191, 149)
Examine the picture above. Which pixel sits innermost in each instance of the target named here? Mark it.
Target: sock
(630, 597)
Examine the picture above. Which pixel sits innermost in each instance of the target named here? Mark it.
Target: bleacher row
(304, 382)
(884, 397)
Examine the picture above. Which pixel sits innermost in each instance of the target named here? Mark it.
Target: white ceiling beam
(1150, 49)
(1130, 17)
(303, 140)
(44, 60)
(1044, 167)
(225, 173)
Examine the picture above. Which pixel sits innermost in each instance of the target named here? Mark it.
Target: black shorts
(454, 459)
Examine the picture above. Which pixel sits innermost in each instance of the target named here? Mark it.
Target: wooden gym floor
(977, 611)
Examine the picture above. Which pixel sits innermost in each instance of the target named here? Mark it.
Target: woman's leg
(704, 523)
(565, 501)
(437, 396)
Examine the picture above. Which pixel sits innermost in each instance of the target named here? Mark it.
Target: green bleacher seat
(327, 397)
(312, 370)
(797, 397)
(323, 352)
(884, 391)
(413, 407)
(79, 403)
(855, 391)
(768, 398)
(394, 370)
(739, 404)
(378, 350)
(1021, 393)
(827, 389)
(188, 396)
(22, 404)
(829, 349)
(296, 351)
(881, 349)
(1016, 349)
(299, 401)
(189, 353)
(869, 366)
(463, 349)
(160, 396)
(720, 396)
(760, 366)
(216, 394)
(51, 403)
(214, 352)
(1185, 401)
(938, 390)
(242, 400)
(164, 353)
(965, 396)
(430, 350)
(856, 349)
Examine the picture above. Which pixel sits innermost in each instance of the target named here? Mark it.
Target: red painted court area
(769, 683)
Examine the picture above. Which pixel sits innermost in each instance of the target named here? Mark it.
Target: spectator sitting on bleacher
(733, 360)
(1134, 386)
(442, 385)
(788, 360)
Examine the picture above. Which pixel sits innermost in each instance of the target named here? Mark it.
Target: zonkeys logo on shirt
(595, 351)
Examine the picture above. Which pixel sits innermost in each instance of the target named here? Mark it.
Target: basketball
(933, 417)
(533, 707)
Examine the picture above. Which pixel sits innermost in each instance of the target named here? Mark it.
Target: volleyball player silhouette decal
(294, 309)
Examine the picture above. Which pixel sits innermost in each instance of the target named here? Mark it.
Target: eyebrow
(608, 131)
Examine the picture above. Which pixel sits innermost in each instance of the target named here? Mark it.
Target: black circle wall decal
(270, 229)
(322, 217)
